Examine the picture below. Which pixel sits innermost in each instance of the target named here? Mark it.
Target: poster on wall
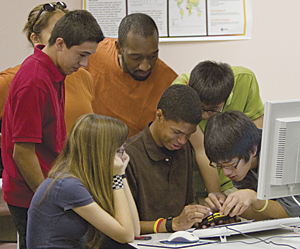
(179, 20)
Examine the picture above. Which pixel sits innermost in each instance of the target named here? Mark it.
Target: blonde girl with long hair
(86, 190)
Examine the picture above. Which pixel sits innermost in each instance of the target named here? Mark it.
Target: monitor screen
(279, 169)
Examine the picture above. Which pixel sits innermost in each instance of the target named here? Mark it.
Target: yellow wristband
(263, 208)
(156, 225)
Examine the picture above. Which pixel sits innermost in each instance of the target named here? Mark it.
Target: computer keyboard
(245, 227)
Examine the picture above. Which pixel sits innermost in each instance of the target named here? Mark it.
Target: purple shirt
(52, 223)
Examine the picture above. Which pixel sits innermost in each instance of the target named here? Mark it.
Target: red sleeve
(28, 111)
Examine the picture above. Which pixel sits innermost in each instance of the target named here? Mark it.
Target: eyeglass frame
(121, 149)
(53, 8)
(219, 166)
(213, 111)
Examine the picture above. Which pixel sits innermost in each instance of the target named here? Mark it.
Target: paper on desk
(167, 244)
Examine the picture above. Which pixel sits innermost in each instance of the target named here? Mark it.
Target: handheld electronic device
(214, 218)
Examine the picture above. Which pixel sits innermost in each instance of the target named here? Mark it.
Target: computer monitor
(279, 166)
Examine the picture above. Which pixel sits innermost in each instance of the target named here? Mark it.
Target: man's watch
(169, 224)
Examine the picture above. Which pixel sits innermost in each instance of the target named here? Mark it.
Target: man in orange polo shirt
(129, 79)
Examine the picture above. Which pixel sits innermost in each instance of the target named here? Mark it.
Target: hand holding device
(190, 215)
(215, 201)
(215, 219)
(237, 202)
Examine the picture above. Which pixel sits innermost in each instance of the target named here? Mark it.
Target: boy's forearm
(27, 161)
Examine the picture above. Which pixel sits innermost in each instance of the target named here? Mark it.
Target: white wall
(273, 53)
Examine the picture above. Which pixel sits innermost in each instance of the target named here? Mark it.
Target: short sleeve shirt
(288, 204)
(6, 77)
(118, 95)
(51, 221)
(160, 182)
(244, 97)
(34, 113)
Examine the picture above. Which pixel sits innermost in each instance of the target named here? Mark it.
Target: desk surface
(282, 237)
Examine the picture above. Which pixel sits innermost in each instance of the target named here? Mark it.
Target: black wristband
(123, 176)
(169, 224)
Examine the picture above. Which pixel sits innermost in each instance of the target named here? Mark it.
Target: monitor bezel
(281, 109)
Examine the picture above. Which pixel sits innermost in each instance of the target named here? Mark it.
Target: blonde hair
(89, 155)
(42, 21)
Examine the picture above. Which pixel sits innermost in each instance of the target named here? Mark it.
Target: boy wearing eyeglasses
(221, 87)
(232, 144)
(33, 126)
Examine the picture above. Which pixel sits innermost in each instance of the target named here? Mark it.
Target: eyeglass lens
(121, 149)
(216, 165)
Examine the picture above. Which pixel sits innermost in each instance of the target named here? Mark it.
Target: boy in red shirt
(33, 127)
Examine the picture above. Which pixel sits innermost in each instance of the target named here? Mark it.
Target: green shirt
(244, 97)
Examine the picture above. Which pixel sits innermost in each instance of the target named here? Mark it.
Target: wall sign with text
(179, 20)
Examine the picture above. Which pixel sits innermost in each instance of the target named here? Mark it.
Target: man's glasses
(121, 149)
(48, 7)
(220, 166)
